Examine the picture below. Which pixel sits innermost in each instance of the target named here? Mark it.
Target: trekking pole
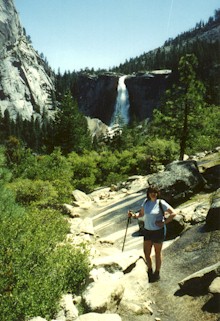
(128, 222)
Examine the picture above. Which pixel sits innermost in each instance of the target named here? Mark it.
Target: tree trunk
(184, 135)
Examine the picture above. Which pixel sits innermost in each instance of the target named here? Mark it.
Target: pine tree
(71, 129)
(180, 115)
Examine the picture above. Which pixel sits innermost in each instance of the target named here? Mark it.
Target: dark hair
(152, 189)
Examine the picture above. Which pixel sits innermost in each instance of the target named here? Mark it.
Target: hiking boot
(150, 275)
(156, 276)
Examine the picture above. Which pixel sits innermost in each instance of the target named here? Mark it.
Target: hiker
(154, 211)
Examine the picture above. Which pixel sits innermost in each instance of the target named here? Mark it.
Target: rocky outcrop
(213, 216)
(97, 95)
(26, 82)
(97, 127)
(10, 26)
(179, 181)
(145, 92)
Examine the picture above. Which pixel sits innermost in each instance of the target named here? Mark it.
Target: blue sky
(75, 34)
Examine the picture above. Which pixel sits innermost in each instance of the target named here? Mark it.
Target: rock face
(26, 82)
(10, 25)
(145, 92)
(97, 95)
(213, 216)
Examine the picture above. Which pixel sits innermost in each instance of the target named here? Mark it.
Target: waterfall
(121, 113)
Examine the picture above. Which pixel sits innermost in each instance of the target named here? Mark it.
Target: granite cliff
(97, 94)
(26, 82)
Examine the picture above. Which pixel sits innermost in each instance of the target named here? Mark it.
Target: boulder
(117, 262)
(198, 282)
(214, 287)
(200, 213)
(104, 295)
(86, 226)
(68, 310)
(81, 199)
(78, 226)
(175, 227)
(179, 181)
(100, 274)
(96, 127)
(213, 216)
(71, 210)
(99, 317)
(212, 176)
(136, 296)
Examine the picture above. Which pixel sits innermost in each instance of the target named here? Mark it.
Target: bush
(34, 270)
(46, 179)
(74, 265)
(208, 138)
(135, 161)
(162, 150)
(84, 170)
(37, 192)
(107, 164)
(114, 178)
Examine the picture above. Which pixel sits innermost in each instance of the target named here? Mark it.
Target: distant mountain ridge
(210, 32)
(203, 41)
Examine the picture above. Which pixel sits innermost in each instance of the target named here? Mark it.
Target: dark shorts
(154, 236)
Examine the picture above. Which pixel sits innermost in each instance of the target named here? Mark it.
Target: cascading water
(122, 105)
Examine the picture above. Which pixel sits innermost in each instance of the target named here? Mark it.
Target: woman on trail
(154, 211)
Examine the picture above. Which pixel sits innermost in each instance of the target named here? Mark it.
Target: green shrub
(63, 189)
(208, 138)
(114, 178)
(46, 179)
(34, 192)
(107, 164)
(74, 264)
(162, 150)
(135, 161)
(53, 166)
(84, 170)
(34, 270)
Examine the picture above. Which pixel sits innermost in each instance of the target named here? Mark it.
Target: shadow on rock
(197, 286)
(213, 305)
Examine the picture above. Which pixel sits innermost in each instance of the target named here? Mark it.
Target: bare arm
(171, 215)
(136, 215)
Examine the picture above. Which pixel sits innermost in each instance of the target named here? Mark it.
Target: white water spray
(122, 105)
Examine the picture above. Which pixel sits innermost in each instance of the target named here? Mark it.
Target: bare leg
(158, 255)
(147, 253)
